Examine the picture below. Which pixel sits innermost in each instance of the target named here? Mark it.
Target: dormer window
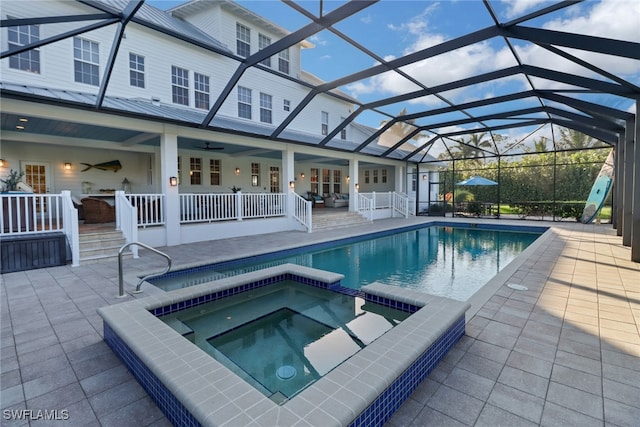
(243, 40)
(283, 61)
(263, 42)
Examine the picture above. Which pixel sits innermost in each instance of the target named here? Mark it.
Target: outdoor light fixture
(424, 177)
(357, 186)
(67, 166)
(237, 171)
(348, 179)
(292, 184)
(2, 163)
(173, 181)
(301, 175)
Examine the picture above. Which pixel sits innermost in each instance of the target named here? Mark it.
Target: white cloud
(519, 7)
(609, 18)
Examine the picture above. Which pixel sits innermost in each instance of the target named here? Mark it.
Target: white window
(255, 174)
(243, 40)
(283, 61)
(179, 85)
(265, 108)
(86, 64)
(264, 41)
(286, 105)
(201, 94)
(343, 131)
(215, 169)
(195, 170)
(19, 36)
(325, 122)
(136, 70)
(244, 102)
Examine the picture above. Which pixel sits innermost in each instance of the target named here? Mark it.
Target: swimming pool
(442, 259)
(192, 388)
(284, 337)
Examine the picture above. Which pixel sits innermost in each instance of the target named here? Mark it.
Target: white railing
(302, 210)
(207, 207)
(231, 206)
(262, 205)
(401, 204)
(127, 220)
(149, 209)
(30, 213)
(70, 223)
(365, 206)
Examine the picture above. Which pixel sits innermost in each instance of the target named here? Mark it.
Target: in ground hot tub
(193, 388)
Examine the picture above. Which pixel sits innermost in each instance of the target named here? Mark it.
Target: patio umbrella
(477, 180)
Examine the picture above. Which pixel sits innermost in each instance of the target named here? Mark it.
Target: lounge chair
(97, 211)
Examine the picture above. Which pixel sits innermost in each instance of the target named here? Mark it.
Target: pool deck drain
(567, 351)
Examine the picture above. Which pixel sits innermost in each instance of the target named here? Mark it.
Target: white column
(400, 179)
(288, 175)
(169, 168)
(353, 180)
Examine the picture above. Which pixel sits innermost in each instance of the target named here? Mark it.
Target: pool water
(445, 261)
(284, 337)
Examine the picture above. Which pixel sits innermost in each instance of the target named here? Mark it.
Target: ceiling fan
(207, 147)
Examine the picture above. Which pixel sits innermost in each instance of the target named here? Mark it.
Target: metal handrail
(120, 278)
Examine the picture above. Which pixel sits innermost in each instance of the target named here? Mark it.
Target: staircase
(100, 246)
(326, 219)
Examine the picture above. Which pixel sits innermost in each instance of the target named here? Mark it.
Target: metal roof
(592, 99)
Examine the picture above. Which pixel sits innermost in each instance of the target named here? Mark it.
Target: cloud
(368, 19)
(610, 19)
(317, 40)
(519, 7)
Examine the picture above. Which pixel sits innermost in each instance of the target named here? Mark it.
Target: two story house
(116, 95)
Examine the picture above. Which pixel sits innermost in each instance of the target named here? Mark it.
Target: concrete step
(100, 246)
(338, 220)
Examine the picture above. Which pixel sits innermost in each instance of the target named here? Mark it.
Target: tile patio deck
(564, 352)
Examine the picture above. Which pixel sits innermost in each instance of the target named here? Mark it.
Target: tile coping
(212, 397)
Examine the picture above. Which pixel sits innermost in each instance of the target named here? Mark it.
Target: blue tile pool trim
(381, 410)
(336, 287)
(348, 240)
(163, 398)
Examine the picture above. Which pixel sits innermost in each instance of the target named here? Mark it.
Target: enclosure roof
(516, 72)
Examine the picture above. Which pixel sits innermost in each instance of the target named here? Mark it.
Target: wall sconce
(292, 184)
(67, 166)
(237, 171)
(424, 177)
(173, 181)
(357, 186)
(348, 179)
(301, 175)
(3, 163)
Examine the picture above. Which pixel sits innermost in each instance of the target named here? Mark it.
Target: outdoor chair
(97, 211)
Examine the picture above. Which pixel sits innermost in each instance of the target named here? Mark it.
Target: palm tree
(473, 149)
(398, 131)
(573, 140)
(539, 146)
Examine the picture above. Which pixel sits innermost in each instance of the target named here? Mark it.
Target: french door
(38, 176)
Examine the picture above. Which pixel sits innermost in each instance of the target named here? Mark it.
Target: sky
(394, 28)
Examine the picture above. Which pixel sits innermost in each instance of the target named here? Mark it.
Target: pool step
(337, 220)
(101, 246)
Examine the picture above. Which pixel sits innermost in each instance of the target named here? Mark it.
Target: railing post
(70, 224)
(239, 205)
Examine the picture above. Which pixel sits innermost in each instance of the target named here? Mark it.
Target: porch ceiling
(583, 88)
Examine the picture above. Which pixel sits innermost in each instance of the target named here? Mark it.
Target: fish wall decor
(113, 165)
